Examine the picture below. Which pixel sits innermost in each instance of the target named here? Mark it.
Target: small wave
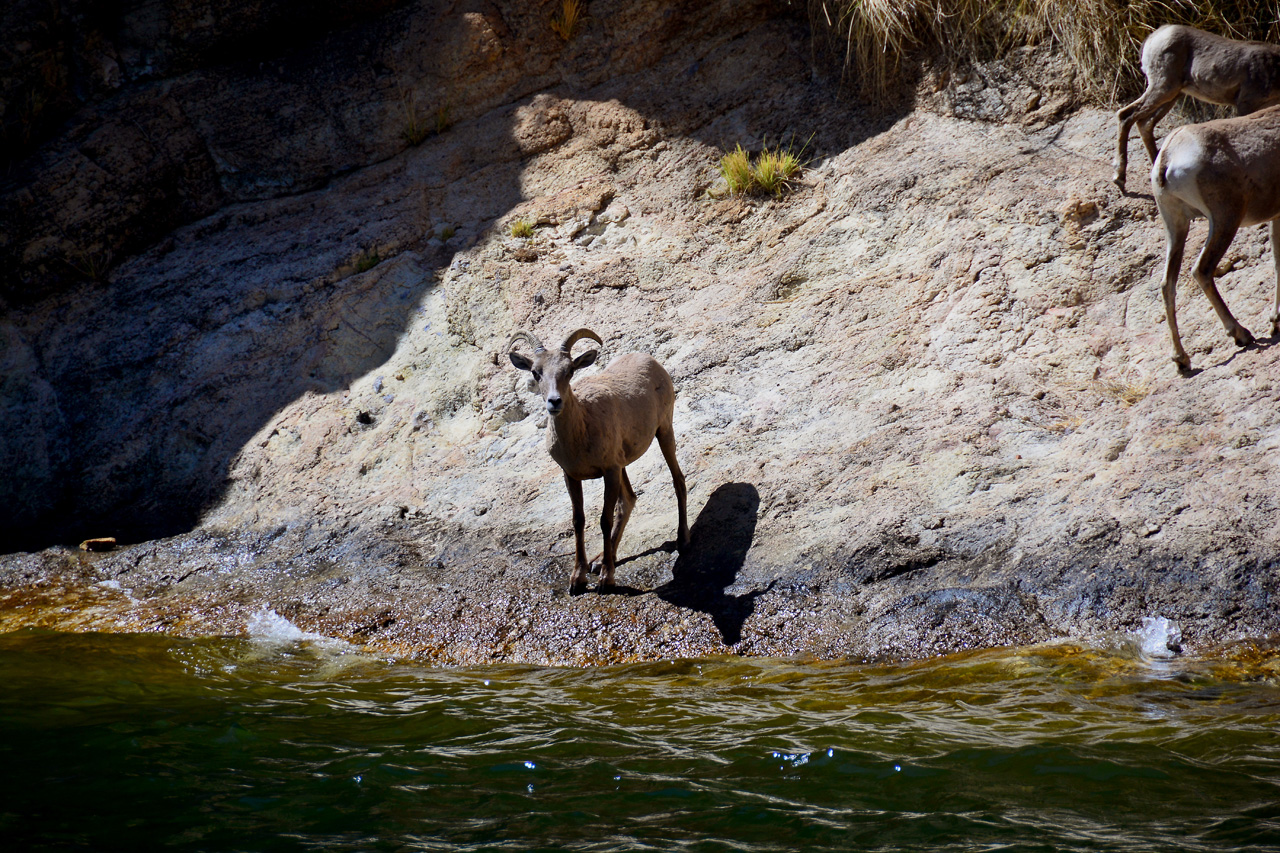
(269, 626)
(1159, 638)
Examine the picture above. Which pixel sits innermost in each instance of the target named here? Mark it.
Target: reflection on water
(139, 741)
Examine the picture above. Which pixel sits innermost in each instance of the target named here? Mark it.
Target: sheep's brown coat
(1183, 60)
(600, 426)
(1229, 172)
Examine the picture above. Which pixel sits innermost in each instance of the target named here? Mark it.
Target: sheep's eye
(537, 376)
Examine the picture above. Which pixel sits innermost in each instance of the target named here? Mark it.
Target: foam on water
(268, 626)
(1159, 638)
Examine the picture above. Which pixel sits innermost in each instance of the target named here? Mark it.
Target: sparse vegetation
(771, 173)
(367, 260)
(735, 168)
(775, 168)
(1102, 37)
(415, 129)
(1125, 392)
(566, 21)
(89, 264)
(443, 118)
(522, 228)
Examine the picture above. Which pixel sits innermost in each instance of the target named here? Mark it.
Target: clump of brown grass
(566, 21)
(1103, 38)
(1124, 391)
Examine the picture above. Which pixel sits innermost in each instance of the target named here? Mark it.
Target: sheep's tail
(1160, 169)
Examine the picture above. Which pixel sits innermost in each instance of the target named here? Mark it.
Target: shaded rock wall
(205, 104)
(106, 438)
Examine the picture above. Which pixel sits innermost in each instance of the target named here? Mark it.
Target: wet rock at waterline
(924, 399)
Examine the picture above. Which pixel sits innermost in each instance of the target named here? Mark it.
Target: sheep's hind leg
(667, 442)
(1275, 259)
(1176, 224)
(1145, 112)
(1147, 129)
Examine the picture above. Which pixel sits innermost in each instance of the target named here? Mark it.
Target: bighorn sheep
(1229, 172)
(598, 429)
(1185, 60)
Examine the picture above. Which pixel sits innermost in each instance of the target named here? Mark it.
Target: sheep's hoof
(1275, 326)
(1183, 363)
(1242, 336)
(1118, 180)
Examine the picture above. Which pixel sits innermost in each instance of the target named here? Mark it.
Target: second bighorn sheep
(1229, 172)
(598, 428)
(1184, 60)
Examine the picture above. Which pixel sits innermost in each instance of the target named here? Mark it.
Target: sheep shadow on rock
(720, 538)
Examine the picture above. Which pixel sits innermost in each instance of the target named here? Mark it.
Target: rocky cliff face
(925, 401)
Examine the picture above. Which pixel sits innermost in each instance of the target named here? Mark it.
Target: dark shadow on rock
(126, 401)
(619, 589)
(719, 541)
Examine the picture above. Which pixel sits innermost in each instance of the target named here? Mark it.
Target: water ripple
(240, 744)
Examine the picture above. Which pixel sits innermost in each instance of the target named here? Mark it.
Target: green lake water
(145, 742)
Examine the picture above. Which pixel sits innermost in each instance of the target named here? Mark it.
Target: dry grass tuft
(522, 228)
(771, 173)
(566, 21)
(775, 168)
(735, 168)
(89, 264)
(1103, 38)
(1125, 392)
(415, 129)
(443, 118)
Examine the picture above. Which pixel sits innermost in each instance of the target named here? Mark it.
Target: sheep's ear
(520, 361)
(587, 359)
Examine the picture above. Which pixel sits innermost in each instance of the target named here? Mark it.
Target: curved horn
(525, 336)
(574, 337)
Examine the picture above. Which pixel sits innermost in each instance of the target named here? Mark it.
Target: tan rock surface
(924, 401)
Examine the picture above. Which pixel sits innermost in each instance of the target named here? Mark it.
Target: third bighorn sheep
(1229, 172)
(1178, 59)
(598, 428)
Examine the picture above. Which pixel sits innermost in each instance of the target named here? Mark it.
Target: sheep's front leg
(612, 492)
(626, 502)
(579, 576)
(1221, 233)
